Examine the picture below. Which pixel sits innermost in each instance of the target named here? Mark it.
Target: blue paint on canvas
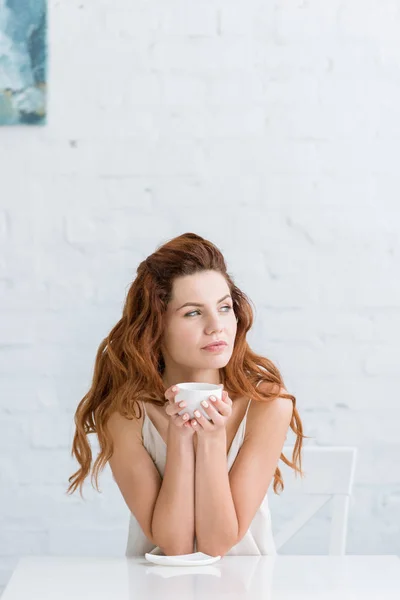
(23, 62)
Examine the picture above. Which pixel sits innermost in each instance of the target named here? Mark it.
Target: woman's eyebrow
(197, 304)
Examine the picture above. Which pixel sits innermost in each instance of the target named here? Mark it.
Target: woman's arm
(173, 517)
(226, 503)
(215, 516)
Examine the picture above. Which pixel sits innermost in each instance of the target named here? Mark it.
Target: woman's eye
(196, 311)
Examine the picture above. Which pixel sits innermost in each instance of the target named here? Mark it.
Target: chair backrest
(328, 472)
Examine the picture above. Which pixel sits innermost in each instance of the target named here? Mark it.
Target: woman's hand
(218, 410)
(179, 423)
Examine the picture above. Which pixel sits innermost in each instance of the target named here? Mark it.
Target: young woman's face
(189, 328)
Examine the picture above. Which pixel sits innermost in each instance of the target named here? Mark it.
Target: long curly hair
(129, 364)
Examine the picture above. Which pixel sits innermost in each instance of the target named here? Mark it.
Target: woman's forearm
(215, 515)
(173, 525)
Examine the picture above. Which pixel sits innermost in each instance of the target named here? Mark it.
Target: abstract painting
(23, 62)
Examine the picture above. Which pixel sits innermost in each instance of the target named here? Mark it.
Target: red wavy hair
(129, 363)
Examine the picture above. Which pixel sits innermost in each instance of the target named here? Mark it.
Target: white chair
(328, 471)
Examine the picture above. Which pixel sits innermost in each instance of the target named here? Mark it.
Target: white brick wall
(273, 123)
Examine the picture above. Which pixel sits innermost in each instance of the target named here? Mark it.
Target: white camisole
(258, 539)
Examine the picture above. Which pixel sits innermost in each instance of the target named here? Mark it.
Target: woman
(190, 484)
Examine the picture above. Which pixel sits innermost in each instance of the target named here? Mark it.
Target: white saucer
(181, 560)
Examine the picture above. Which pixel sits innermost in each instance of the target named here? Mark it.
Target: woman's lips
(215, 348)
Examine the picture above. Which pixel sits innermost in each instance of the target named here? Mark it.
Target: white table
(280, 577)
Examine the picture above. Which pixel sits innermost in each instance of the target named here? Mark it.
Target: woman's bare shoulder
(120, 426)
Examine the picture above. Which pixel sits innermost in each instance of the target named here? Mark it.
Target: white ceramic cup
(193, 393)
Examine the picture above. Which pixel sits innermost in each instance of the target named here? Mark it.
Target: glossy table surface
(280, 577)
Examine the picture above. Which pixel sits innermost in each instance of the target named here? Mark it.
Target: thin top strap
(247, 410)
(248, 404)
(144, 406)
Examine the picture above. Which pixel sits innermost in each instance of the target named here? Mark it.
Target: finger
(173, 408)
(200, 421)
(225, 406)
(170, 393)
(181, 421)
(225, 398)
(226, 401)
(212, 413)
(221, 408)
(224, 409)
